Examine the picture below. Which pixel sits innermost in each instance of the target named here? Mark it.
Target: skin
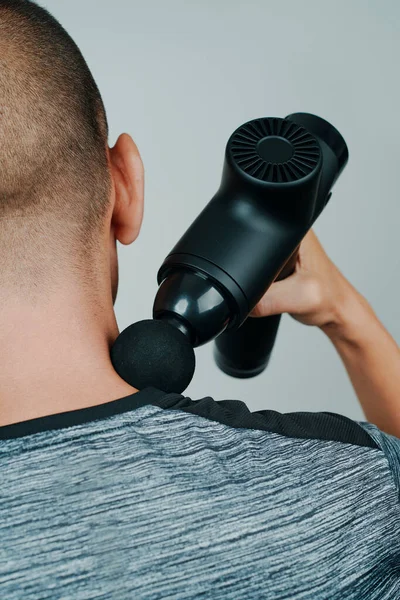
(56, 355)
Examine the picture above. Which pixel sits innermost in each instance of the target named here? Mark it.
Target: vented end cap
(274, 150)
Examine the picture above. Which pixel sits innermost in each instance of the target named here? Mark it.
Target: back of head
(54, 177)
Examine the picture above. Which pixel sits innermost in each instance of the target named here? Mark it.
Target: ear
(127, 174)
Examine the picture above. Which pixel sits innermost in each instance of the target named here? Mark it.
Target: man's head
(64, 195)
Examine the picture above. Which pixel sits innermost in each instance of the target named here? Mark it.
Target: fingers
(280, 298)
(305, 292)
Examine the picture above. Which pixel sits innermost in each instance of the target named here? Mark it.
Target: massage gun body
(277, 178)
(241, 237)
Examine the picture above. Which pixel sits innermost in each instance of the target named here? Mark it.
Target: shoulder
(308, 425)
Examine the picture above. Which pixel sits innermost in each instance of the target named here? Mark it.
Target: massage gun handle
(245, 352)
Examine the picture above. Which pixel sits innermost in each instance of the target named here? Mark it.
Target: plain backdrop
(180, 77)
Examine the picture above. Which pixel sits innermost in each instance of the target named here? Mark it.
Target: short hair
(54, 172)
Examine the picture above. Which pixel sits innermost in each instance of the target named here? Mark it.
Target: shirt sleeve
(390, 445)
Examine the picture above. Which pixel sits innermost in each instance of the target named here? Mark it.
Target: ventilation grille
(306, 151)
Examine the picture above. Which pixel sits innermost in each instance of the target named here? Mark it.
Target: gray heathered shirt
(157, 496)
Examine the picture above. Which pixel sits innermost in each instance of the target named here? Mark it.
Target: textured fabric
(154, 503)
(391, 446)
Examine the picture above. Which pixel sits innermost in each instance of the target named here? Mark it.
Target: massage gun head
(156, 354)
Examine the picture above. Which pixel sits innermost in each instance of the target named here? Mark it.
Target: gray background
(181, 76)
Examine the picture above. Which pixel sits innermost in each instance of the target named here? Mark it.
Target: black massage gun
(277, 179)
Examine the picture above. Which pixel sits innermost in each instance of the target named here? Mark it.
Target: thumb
(280, 298)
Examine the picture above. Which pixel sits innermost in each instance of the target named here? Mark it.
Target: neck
(55, 356)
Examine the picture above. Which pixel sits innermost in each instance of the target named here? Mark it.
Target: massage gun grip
(245, 352)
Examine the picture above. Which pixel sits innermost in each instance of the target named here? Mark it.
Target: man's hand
(317, 292)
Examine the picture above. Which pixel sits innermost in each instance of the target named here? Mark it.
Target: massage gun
(277, 178)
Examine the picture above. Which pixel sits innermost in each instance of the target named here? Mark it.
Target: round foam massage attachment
(153, 353)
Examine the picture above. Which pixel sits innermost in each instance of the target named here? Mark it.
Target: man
(107, 491)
